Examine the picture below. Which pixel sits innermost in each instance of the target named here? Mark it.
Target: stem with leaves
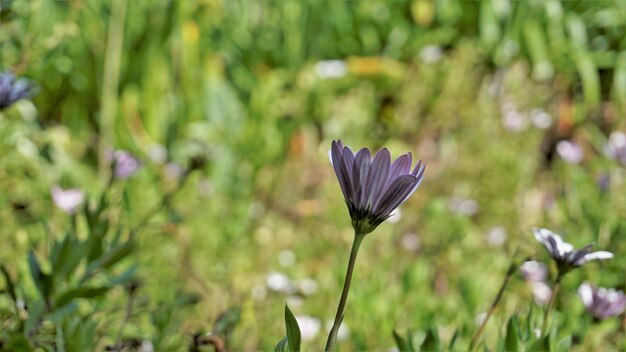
(332, 336)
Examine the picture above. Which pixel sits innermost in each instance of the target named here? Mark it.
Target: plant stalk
(493, 306)
(555, 292)
(332, 336)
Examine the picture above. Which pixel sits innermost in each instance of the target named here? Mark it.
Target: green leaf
(282, 345)
(8, 282)
(431, 342)
(227, 321)
(293, 331)
(541, 345)
(511, 340)
(18, 342)
(401, 343)
(564, 344)
(80, 292)
(112, 256)
(453, 340)
(42, 281)
(66, 256)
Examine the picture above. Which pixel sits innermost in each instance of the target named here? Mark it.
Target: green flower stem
(332, 336)
(494, 304)
(555, 292)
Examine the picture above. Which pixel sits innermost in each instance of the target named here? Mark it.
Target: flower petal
(400, 166)
(341, 170)
(395, 194)
(586, 294)
(377, 177)
(598, 255)
(360, 169)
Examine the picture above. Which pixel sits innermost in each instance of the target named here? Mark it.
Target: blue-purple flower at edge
(12, 89)
(373, 187)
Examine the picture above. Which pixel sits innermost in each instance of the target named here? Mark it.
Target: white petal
(598, 255)
(586, 294)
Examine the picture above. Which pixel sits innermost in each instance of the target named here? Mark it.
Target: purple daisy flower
(600, 302)
(564, 254)
(12, 89)
(373, 187)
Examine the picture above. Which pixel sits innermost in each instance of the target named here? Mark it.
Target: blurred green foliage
(243, 92)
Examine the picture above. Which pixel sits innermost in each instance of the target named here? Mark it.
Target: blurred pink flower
(67, 200)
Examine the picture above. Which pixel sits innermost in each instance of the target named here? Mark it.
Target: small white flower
(564, 254)
(540, 119)
(496, 236)
(534, 271)
(570, 152)
(541, 292)
(67, 200)
(309, 326)
(307, 286)
(279, 282)
(331, 69)
(431, 54)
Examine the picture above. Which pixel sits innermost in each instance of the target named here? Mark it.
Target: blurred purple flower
(564, 254)
(12, 89)
(600, 302)
(534, 271)
(570, 152)
(67, 200)
(373, 188)
(616, 147)
(125, 165)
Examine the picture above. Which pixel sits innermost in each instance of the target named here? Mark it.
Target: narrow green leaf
(511, 340)
(431, 342)
(564, 344)
(590, 78)
(8, 282)
(540, 345)
(619, 80)
(401, 343)
(453, 340)
(66, 256)
(293, 331)
(80, 292)
(112, 256)
(282, 345)
(42, 281)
